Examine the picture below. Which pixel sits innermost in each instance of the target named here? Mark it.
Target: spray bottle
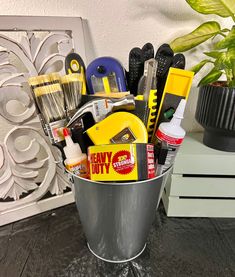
(76, 161)
(172, 133)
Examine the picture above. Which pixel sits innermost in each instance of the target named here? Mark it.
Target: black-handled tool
(136, 69)
(164, 57)
(178, 61)
(75, 64)
(148, 51)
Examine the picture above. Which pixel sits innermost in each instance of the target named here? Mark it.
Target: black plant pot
(216, 113)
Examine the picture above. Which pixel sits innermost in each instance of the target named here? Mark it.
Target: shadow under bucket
(116, 217)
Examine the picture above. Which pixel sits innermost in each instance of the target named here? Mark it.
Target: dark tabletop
(53, 244)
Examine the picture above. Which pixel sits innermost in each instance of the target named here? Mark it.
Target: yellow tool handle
(152, 105)
(74, 64)
(178, 84)
(106, 85)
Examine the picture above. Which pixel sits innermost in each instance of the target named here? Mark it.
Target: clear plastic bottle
(76, 161)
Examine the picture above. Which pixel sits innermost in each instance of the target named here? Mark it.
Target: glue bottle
(173, 134)
(76, 161)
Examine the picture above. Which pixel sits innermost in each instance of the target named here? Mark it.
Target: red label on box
(150, 161)
(123, 162)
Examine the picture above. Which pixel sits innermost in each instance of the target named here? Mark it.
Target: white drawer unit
(202, 183)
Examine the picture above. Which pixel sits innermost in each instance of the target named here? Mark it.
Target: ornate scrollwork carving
(21, 171)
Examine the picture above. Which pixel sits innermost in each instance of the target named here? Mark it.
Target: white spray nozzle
(179, 113)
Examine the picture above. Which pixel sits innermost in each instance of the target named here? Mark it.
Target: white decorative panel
(32, 178)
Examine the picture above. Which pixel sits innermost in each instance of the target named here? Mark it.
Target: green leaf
(230, 71)
(233, 69)
(232, 83)
(225, 59)
(225, 30)
(196, 37)
(231, 52)
(228, 41)
(211, 77)
(212, 54)
(220, 61)
(199, 66)
(224, 8)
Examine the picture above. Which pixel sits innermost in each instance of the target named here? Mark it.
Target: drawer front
(201, 186)
(178, 207)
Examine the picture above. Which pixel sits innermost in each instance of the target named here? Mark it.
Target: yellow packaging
(78, 168)
(121, 162)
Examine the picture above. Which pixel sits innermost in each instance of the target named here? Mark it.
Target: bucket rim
(119, 183)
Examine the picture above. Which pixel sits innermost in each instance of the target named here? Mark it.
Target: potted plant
(216, 100)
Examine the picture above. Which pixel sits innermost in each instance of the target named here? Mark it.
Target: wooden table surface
(53, 244)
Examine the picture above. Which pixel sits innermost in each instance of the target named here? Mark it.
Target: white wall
(115, 26)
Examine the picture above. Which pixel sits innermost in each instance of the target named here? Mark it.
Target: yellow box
(121, 162)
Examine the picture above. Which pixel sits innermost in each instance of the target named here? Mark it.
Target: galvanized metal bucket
(116, 217)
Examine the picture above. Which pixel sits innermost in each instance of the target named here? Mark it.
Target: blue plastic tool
(105, 74)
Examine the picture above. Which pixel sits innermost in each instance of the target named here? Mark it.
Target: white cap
(71, 150)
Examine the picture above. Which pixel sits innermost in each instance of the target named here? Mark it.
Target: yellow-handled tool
(75, 64)
(177, 87)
